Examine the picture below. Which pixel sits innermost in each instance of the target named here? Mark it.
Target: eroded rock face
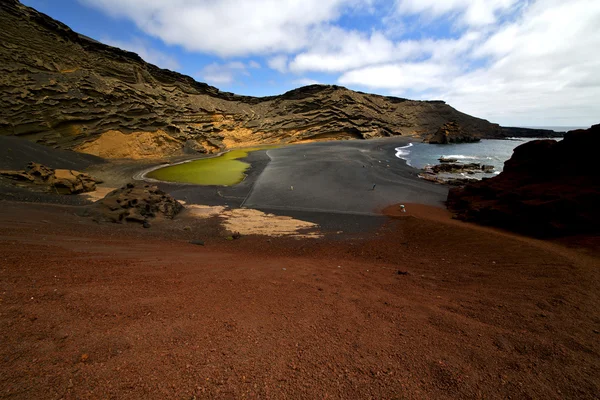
(78, 92)
(62, 181)
(452, 132)
(546, 188)
(139, 202)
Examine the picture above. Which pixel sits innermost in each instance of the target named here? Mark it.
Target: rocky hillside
(65, 90)
(546, 188)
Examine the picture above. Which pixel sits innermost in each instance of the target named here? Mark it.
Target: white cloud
(278, 63)
(223, 74)
(254, 64)
(541, 67)
(339, 51)
(402, 76)
(544, 67)
(471, 12)
(144, 50)
(511, 61)
(305, 82)
(229, 27)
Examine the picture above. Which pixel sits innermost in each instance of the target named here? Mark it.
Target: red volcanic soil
(426, 307)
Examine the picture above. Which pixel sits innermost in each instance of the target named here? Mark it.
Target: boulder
(455, 168)
(447, 160)
(547, 188)
(135, 202)
(63, 181)
(451, 132)
(73, 182)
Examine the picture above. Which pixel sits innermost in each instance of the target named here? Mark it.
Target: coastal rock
(546, 188)
(135, 202)
(62, 181)
(83, 95)
(456, 168)
(452, 132)
(447, 160)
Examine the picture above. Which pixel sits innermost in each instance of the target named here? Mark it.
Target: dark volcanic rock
(452, 132)
(62, 181)
(62, 89)
(546, 188)
(137, 202)
(507, 132)
(455, 167)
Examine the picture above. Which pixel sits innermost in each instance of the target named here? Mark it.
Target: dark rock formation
(507, 132)
(62, 181)
(546, 188)
(65, 90)
(448, 167)
(135, 203)
(452, 132)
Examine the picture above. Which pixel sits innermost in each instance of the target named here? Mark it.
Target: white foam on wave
(461, 157)
(403, 152)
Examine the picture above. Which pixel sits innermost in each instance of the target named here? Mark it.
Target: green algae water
(224, 170)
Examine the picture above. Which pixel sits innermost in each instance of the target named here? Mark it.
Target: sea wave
(403, 152)
(465, 157)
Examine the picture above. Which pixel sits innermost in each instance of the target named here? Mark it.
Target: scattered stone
(187, 228)
(146, 224)
(62, 181)
(197, 242)
(236, 235)
(456, 167)
(402, 272)
(135, 203)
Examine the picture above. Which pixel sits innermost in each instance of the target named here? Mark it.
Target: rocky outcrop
(546, 188)
(137, 202)
(68, 91)
(448, 167)
(507, 132)
(452, 132)
(62, 181)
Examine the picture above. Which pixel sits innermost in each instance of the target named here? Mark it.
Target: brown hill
(66, 90)
(546, 188)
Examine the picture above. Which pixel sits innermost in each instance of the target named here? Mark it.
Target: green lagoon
(224, 170)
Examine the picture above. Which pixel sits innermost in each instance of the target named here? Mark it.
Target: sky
(513, 62)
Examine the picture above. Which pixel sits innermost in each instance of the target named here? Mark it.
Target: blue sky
(515, 62)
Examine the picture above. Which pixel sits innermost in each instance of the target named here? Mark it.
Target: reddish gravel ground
(424, 308)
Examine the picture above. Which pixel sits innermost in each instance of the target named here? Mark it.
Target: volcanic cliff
(60, 88)
(547, 188)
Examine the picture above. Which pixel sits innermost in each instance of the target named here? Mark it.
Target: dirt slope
(96, 311)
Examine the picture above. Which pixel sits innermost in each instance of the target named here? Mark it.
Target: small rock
(402, 272)
(197, 242)
(146, 224)
(187, 228)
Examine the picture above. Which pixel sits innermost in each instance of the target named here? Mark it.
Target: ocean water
(487, 151)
